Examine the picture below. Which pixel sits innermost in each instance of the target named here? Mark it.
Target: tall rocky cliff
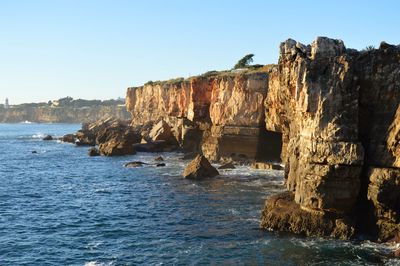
(330, 113)
(338, 111)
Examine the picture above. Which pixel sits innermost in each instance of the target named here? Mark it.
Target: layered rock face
(221, 116)
(335, 108)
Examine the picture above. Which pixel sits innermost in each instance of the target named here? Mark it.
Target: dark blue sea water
(61, 207)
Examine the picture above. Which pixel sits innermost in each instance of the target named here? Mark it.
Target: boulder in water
(200, 168)
(70, 138)
(116, 147)
(135, 164)
(48, 137)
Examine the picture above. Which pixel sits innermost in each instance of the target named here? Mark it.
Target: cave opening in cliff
(269, 146)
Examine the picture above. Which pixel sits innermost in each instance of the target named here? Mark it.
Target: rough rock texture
(220, 116)
(281, 213)
(162, 131)
(116, 147)
(336, 109)
(199, 168)
(114, 137)
(384, 196)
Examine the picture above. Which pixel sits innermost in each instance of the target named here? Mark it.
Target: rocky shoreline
(330, 114)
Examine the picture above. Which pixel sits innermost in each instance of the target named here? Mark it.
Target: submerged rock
(93, 152)
(135, 164)
(48, 137)
(200, 168)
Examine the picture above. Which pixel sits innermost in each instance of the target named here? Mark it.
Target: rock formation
(330, 113)
(114, 137)
(336, 109)
(199, 168)
(220, 115)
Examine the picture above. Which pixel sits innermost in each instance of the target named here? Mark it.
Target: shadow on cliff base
(269, 146)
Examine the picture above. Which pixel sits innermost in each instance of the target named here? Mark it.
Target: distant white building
(7, 104)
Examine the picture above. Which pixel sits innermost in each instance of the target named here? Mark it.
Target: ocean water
(61, 207)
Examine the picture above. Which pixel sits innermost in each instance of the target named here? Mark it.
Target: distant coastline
(64, 110)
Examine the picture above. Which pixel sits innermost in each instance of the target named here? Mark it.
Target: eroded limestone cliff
(220, 115)
(336, 109)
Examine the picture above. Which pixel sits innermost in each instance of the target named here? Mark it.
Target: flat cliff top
(252, 70)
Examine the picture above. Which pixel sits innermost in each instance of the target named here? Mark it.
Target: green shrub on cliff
(244, 62)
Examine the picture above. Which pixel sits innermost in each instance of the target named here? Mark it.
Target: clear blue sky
(96, 48)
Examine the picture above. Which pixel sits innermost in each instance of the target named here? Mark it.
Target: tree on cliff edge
(244, 62)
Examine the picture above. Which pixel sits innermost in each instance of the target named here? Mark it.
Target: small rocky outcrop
(229, 165)
(199, 168)
(48, 137)
(135, 164)
(85, 138)
(117, 147)
(93, 152)
(69, 138)
(114, 137)
(160, 164)
(282, 213)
